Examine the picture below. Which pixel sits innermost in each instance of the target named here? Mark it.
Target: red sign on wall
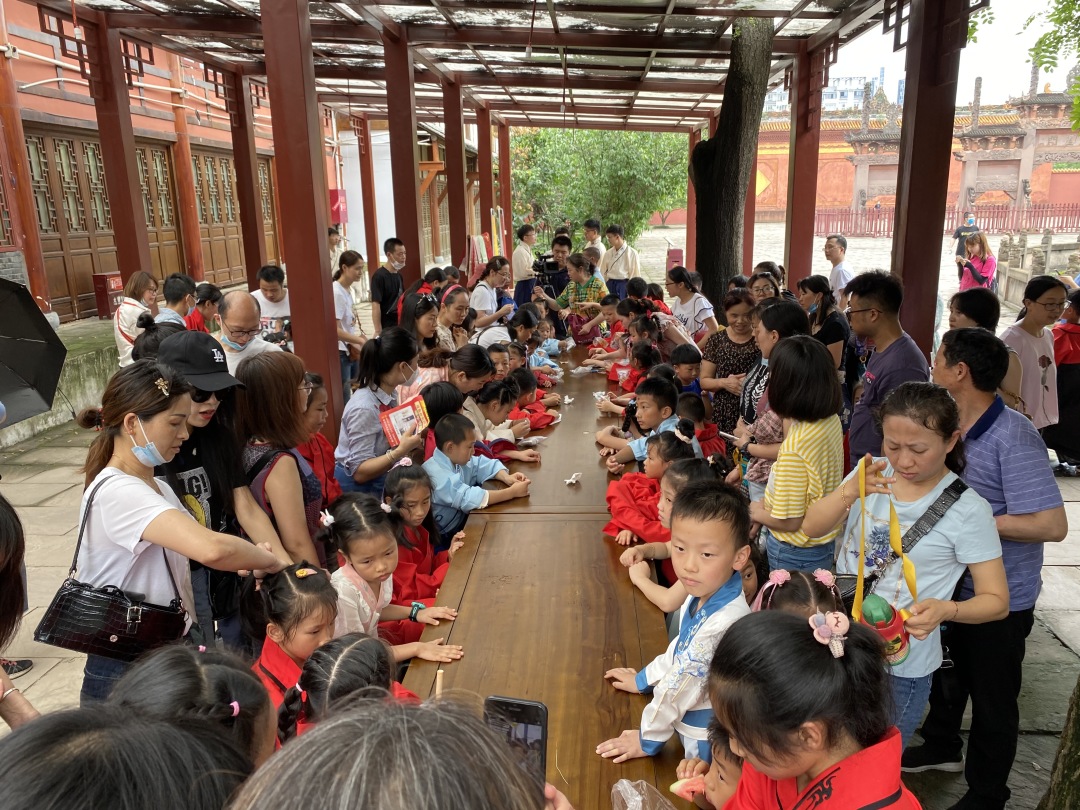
(339, 208)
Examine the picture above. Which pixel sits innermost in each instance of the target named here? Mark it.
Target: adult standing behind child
(620, 263)
(387, 286)
(979, 267)
(273, 299)
(207, 298)
(692, 309)
(139, 295)
(727, 358)
(350, 336)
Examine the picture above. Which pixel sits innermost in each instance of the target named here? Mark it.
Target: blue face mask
(232, 344)
(813, 309)
(148, 455)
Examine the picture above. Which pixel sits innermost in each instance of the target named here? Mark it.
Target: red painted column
(404, 152)
(485, 166)
(109, 88)
(16, 177)
(290, 74)
(184, 175)
(932, 64)
(456, 201)
(714, 118)
(248, 194)
(802, 166)
(690, 259)
(367, 194)
(749, 212)
(505, 196)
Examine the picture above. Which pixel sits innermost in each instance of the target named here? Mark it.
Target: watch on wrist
(745, 449)
(416, 608)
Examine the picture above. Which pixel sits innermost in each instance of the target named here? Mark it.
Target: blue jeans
(349, 484)
(348, 371)
(617, 286)
(99, 676)
(796, 558)
(910, 698)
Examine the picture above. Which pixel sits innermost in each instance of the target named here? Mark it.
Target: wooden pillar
(802, 164)
(506, 201)
(290, 73)
(934, 41)
(16, 179)
(431, 196)
(690, 259)
(184, 177)
(456, 201)
(714, 118)
(749, 212)
(362, 127)
(404, 152)
(486, 167)
(252, 229)
(109, 87)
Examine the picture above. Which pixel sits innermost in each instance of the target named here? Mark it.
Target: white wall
(384, 189)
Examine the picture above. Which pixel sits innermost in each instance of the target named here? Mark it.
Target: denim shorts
(797, 558)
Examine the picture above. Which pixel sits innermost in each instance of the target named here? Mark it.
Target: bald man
(239, 319)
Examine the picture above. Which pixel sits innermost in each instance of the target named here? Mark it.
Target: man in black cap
(207, 478)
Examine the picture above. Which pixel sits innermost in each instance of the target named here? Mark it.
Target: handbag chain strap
(82, 530)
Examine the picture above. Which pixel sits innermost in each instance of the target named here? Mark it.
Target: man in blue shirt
(179, 292)
(1007, 464)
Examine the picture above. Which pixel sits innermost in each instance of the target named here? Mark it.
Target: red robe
(277, 671)
(633, 503)
(195, 322)
(535, 413)
(419, 575)
(320, 455)
(630, 384)
(710, 440)
(868, 779)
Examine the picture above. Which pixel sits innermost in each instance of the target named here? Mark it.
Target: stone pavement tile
(1065, 624)
(70, 498)
(49, 551)
(1067, 552)
(18, 473)
(23, 644)
(51, 520)
(1072, 511)
(1061, 588)
(1050, 673)
(60, 687)
(1070, 488)
(52, 475)
(67, 456)
(41, 667)
(43, 582)
(28, 494)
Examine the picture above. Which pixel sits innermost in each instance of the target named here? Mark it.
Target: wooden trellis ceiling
(645, 64)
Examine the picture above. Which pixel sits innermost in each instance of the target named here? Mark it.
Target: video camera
(546, 266)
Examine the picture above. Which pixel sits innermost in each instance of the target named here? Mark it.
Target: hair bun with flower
(405, 461)
(326, 520)
(825, 577)
(386, 507)
(831, 630)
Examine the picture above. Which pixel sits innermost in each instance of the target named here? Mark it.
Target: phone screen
(525, 736)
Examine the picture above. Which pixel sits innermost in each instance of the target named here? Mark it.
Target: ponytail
(401, 478)
(674, 445)
(347, 259)
(382, 352)
(357, 514)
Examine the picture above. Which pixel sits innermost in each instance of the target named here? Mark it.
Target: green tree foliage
(616, 177)
(1061, 41)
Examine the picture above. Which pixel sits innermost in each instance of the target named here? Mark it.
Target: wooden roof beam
(628, 10)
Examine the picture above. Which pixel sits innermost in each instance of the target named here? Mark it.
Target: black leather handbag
(106, 621)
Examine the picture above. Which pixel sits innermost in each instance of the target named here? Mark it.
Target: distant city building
(842, 93)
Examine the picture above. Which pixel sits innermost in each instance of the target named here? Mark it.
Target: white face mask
(412, 377)
(397, 265)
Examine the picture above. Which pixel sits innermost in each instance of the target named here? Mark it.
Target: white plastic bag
(627, 795)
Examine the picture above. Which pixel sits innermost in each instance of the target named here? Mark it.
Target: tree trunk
(720, 166)
(1065, 779)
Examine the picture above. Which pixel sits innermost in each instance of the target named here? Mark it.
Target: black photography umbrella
(31, 355)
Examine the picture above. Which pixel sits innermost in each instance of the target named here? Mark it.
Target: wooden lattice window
(67, 169)
(444, 215)
(95, 182)
(213, 189)
(265, 193)
(39, 182)
(425, 216)
(144, 187)
(200, 188)
(228, 188)
(5, 218)
(163, 183)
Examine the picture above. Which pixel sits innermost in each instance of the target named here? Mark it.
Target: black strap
(273, 678)
(261, 462)
(936, 511)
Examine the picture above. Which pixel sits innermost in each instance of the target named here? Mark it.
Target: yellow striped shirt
(810, 465)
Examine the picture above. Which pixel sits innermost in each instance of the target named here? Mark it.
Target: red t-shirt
(195, 322)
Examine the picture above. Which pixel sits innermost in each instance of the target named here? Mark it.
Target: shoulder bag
(107, 621)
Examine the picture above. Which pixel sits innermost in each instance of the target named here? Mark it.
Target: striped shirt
(1007, 465)
(810, 464)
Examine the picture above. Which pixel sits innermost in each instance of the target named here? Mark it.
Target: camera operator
(554, 273)
(580, 300)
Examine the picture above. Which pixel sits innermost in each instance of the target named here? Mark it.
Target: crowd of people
(797, 488)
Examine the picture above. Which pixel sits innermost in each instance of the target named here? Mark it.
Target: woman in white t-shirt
(138, 536)
(692, 309)
(350, 336)
(484, 298)
(1030, 337)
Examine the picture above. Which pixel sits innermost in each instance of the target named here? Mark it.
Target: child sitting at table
(692, 407)
(488, 409)
(719, 779)
(420, 571)
(528, 406)
(809, 704)
(518, 355)
(686, 360)
(551, 346)
(366, 534)
(655, 404)
(710, 528)
(538, 359)
(607, 315)
(457, 475)
(632, 500)
(500, 358)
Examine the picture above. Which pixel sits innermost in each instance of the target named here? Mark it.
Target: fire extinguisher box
(108, 293)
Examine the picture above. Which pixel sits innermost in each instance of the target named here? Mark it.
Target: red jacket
(1066, 343)
(710, 441)
(629, 385)
(633, 503)
(277, 671)
(319, 453)
(195, 322)
(535, 412)
(868, 779)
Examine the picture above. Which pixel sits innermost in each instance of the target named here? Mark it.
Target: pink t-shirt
(985, 267)
(1038, 386)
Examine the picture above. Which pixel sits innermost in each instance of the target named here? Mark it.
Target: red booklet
(396, 422)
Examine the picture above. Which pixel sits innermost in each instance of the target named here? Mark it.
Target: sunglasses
(201, 396)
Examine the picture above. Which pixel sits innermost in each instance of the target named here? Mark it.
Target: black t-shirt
(961, 234)
(196, 491)
(834, 330)
(386, 289)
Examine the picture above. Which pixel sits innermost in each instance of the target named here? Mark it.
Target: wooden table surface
(546, 609)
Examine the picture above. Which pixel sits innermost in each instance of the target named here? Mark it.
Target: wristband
(4, 696)
(416, 608)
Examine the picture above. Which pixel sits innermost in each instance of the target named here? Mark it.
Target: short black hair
(706, 501)
(454, 428)
(685, 354)
(332, 231)
(802, 380)
(720, 743)
(983, 352)
(524, 379)
(592, 224)
(637, 287)
(497, 348)
(664, 393)
(840, 240)
(391, 244)
(610, 300)
(738, 281)
(518, 348)
(271, 274)
(208, 292)
(884, 290)
(690, 407)
(664, 371)
(524, 231)
(980, 305)
(615, 229)
(177, 287)
(563, 241)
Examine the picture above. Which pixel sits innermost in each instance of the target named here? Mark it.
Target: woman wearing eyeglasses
(1030, 337)
(485, 299)
(763, 285)
(207, 477)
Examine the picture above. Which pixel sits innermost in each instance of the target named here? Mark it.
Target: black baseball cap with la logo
(199, 359)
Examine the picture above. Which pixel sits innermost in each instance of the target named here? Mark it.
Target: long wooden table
(546, 608)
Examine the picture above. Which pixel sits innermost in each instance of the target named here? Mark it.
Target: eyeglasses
(1053, 306)
(848, 311)
(241, 332)
(306, 387)
(762, 290)
(200, 396)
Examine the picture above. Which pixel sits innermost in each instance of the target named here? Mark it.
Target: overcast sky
(1000, 57)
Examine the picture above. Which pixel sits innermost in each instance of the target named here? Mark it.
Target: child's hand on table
(457, 542)
(439, 652)
(432, 615)
(554, 799)
(519, 489)
(626, 746)
(529, 456)
(633, 555)
(615, 467)
(689, 768)
(640, 572)
(520, 477)
(520, 428)
(625, 537)
(622, 678)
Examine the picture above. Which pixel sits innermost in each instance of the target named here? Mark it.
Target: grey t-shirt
(901, 362)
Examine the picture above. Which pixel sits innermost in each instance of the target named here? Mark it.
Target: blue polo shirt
(640, 450)
(1008, 465)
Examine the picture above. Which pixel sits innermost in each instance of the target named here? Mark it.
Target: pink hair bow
(831, 630)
